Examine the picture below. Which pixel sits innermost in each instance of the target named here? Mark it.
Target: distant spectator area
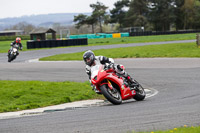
(11, 32)
(41, 34)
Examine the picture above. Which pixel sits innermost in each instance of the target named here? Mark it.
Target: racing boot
(131, 83)
(128, 81)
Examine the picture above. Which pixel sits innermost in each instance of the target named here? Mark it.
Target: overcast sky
(17, 8)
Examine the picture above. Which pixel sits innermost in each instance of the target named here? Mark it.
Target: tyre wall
(56, 43)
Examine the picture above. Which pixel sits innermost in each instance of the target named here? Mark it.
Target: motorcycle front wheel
(10, 57)
(111, 95)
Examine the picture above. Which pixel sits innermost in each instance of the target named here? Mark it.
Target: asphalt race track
(177, 80)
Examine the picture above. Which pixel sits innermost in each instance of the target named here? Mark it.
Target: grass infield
(149, 51)
(21, 95)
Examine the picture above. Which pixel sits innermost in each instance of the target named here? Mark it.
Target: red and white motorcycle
(114, 87)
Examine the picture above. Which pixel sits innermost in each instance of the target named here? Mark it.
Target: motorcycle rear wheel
(140, 93)
(111, 95)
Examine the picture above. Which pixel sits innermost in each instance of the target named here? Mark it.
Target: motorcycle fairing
(107, 77)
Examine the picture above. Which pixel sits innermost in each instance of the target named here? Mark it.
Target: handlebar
(109, 66)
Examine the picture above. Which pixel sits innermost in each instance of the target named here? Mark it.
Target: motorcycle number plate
(14, 50)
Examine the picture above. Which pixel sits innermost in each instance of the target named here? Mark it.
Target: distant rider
(91, 60)
(18, 42)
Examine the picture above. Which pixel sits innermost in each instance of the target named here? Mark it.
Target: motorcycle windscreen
(94, 71)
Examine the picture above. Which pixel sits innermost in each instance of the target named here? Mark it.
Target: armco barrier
(56, 43)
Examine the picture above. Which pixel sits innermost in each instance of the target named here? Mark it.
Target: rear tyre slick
(140, 93)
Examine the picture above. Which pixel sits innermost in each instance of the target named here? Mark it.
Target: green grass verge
(21, 95)
(184, 129)
(5, 45)
(149, 51)
(141, 39)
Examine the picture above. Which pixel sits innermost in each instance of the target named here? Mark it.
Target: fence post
(198, 40)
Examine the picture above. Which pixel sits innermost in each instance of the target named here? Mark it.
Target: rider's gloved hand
(110, 66)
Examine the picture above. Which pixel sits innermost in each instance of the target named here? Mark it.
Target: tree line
(153, 15)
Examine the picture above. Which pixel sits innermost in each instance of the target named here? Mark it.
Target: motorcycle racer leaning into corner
(91, 60)
(18, 42)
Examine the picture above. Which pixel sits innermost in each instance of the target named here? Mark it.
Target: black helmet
(88, 57)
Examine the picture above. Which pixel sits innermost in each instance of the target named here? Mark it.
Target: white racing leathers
(98, 60)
